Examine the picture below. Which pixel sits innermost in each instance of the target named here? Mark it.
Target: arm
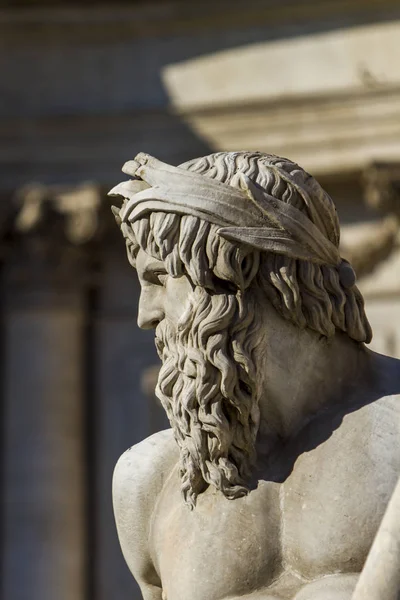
(380, 577)
(138, 480)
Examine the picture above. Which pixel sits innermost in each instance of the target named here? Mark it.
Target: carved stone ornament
(51, 235)
(284, 447)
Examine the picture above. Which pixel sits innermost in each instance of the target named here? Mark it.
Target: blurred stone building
(86, 85)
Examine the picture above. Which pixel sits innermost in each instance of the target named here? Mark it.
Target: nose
(150, 311)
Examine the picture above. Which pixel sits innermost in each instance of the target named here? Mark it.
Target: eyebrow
(153, 266)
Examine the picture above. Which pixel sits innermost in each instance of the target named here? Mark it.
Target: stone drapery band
(244, 212)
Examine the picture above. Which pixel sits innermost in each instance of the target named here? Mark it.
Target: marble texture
(284, 447)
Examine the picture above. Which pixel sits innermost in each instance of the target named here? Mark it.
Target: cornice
(326, 134)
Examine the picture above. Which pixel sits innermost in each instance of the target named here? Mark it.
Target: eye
(156, 275)
(160, 277)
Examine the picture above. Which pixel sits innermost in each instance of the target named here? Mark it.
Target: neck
(305, 373)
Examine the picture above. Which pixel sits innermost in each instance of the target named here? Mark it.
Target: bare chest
(321, 519)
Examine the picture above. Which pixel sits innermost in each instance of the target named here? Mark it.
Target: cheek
(177, 294)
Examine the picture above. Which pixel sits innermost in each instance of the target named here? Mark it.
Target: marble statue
(284, 447)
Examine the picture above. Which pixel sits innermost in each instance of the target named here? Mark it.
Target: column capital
(50, 242)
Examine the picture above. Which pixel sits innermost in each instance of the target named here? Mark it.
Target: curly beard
(207, 387)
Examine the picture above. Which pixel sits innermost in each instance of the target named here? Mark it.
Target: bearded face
(207, 387)
(208, 384)
(213, 238)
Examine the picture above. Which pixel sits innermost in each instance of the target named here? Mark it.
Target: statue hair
(216, 420)
(307, 294)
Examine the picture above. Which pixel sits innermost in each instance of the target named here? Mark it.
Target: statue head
(216, 241)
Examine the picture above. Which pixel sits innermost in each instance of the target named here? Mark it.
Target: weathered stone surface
(381, 575)
(279, 94)
(284, 449)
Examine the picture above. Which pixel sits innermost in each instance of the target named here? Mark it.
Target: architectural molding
(77, 207)
(350, 60)
(50, 242)
(327, 134)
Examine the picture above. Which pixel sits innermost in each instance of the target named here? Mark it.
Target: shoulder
(138, 479)
(383, 399)
(384, 421)
(376, 413)
(369, 438)
(145, 463)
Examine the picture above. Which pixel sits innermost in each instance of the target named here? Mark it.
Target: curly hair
(208, 381)
(207, 385)
(307, 294)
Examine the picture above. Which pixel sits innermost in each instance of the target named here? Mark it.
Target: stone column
(122, 353)
(44, 530)
(44, 464)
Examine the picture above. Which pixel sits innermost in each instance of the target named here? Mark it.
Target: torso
(318, 520)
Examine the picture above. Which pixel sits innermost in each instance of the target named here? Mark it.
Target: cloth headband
(244, 212)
